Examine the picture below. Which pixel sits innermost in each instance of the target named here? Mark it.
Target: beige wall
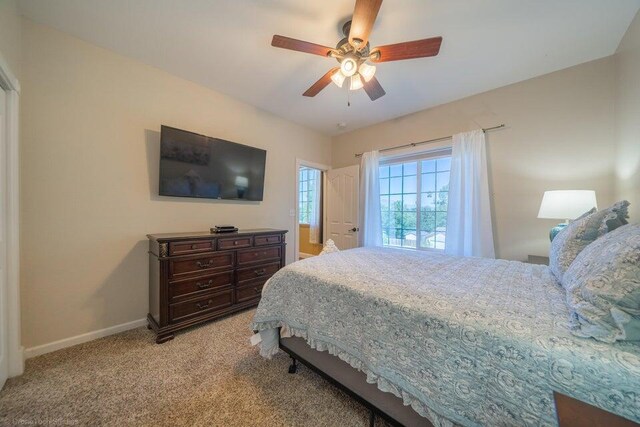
(559, 135)
(628, 118)
(90, 153)
(10, 34)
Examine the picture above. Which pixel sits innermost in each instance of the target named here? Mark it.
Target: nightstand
(537, 259)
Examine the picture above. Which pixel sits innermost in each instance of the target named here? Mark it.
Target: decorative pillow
(329, 247)
(579, 233)
(603, 287)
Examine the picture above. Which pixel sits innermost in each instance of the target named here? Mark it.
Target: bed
(462, 341)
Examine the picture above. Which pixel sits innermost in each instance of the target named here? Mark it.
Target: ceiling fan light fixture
(356, 82)
(338, 78)
(348, 66)
(367, 71)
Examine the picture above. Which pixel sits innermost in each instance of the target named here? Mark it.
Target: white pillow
(329, 247)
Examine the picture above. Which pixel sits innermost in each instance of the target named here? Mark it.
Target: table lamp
(566, 205)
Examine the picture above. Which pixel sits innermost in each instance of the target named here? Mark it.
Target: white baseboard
(302, 255)
(79, 339)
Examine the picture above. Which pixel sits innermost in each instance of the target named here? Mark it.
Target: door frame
(296, 229)
(15, 351)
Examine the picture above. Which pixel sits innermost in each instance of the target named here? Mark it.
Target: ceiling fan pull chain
(349, 94)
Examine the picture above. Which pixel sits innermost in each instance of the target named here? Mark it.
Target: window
(414, 198)
(307, 186)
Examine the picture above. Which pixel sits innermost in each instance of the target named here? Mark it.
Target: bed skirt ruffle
(269, 346)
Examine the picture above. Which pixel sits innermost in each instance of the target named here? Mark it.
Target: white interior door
(4, 332)
(343, 206)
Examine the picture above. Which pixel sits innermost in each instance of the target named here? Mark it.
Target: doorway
(310, 209)
(11, 358)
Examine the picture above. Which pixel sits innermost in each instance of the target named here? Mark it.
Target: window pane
(395, 202)
(409, 238)
(428, 182)
(385, 237)
(442, 181)
(442, 201)
(444, 164)
(386, 220)
(428, 166)
(400, 202)
(409, 220)
(384, 203)
(428, 201)
(410, 168)
(395, 219)
(427, 221)
(409, 202)
(395, 237)
(427, 240)
(441, 221)
(396, 186)
(395, 170)
(384, 186)
(409, 184)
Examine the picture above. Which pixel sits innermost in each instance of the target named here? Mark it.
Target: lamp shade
(566, 204)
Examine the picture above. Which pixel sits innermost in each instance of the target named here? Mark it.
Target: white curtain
(469, 230)
(370, 216)
(315, 180)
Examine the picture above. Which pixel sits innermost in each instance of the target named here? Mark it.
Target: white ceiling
(225, 45)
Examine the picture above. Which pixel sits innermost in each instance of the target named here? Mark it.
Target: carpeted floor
(206, 376)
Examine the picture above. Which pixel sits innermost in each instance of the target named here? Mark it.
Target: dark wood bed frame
(570, 412)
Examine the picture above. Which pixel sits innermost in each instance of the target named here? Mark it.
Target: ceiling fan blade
(373, 89)
(408, 50)
(364, 15)
(320, 84)
(300, 46)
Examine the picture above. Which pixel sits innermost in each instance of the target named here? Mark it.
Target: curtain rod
(430, 141)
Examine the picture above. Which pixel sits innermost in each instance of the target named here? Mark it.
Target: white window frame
(439, 153)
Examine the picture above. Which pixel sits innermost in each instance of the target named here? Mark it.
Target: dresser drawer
(252, 256)
(250, 291)
(191, 247)
(191, 288)
(193, 308)
(235, 243)
(271, 239)
(262, 271)
(201, 264)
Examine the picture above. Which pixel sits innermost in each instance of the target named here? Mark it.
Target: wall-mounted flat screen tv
(193, 165)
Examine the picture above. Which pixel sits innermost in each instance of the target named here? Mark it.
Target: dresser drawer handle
(203, 265)
(203, 306)
(194, 247)
(205, 285)
(260, 272)
(235, 242)
(258, 290)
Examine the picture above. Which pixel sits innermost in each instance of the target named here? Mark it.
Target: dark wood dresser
(196, 277)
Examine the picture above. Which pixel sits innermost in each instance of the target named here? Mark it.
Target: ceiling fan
(353, 52)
